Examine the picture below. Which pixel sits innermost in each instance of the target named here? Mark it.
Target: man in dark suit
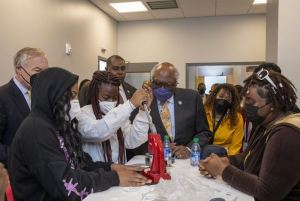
(176, 112)
(116, 66)
(15, 95)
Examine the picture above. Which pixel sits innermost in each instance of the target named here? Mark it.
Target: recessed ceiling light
(260, 2)
(128, 7)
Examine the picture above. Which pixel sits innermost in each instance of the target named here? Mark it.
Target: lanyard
(215, 127)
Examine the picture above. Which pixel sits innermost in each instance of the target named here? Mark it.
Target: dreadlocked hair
(68, 129)
(235, 103)
(106, 77)
(283, 97)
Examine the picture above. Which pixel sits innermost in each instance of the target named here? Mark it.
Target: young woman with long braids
(269, 168)
(47, 162)
(104, 124)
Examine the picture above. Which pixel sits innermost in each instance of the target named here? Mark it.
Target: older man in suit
(176, 112)
(15, 95)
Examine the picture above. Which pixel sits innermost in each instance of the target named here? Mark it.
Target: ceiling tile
(233, 7)
(197, 8)
(258, 8)
(167, 13)
(137, 16)
(103, 5)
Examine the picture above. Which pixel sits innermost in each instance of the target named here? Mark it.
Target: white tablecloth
(185, 179)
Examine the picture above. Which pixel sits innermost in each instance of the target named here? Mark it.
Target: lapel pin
(179, 102)
(128, 91)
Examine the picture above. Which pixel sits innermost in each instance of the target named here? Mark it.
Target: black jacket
(13, 110)
(37, 164)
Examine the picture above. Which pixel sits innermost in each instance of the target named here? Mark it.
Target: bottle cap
(166, 137)
(196, 140)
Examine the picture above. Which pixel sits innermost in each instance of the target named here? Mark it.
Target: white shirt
(122, 93)
(24, 91)
(95, 131)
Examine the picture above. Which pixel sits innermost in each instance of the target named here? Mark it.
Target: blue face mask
(162, 94)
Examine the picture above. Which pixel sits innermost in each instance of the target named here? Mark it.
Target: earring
(272, 109)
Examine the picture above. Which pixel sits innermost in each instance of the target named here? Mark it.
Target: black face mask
(221, 106)
(251, 113)
(201, 91)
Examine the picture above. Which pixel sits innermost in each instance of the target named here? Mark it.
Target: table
(186, 185)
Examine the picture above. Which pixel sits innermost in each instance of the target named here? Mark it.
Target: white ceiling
(187, 8)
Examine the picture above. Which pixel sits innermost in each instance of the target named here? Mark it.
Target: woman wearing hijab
(269, 168)
(47, 162)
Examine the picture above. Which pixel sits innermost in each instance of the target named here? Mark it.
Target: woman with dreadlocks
(104, 124)
(47, 162)
(269, 168)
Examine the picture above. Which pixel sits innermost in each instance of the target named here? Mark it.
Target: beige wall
(49, 24)
(289, 40)
(272, 31)
(283, 37)
(194, 40)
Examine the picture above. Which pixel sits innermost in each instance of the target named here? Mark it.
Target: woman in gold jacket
(224, 119)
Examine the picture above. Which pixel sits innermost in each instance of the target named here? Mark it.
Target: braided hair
(68, 129)
(106, 77)
(283, 97)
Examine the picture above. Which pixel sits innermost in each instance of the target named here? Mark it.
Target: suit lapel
(178, 112)
(128, 93)
(19, 99)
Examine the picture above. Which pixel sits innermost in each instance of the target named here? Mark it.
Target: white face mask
(106, 106)
(75, 108)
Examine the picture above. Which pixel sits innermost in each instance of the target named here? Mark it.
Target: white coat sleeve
(136, 134)
(93, 130)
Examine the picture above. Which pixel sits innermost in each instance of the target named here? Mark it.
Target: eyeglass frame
(267, 78)
(155, 84)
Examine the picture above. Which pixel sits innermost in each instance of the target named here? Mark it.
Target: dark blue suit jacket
(13, 110)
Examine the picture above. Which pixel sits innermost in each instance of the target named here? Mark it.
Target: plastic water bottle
(167, 151)
(195, 152)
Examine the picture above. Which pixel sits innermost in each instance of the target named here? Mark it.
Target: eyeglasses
(158, 84)
(263, 74)
(119, 68)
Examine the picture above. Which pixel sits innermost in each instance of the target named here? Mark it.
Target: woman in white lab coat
(104, 124)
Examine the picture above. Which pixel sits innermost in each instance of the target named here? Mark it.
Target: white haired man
(15, 95)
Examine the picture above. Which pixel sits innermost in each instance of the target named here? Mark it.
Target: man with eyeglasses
(176, 112)
(15, 96)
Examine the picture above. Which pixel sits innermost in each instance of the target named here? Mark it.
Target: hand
(128, 175)
(204, 172)
(180, 151)
(3, 180)
(214, 165)
(147, 85)
(119, 167)
(139, 97)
